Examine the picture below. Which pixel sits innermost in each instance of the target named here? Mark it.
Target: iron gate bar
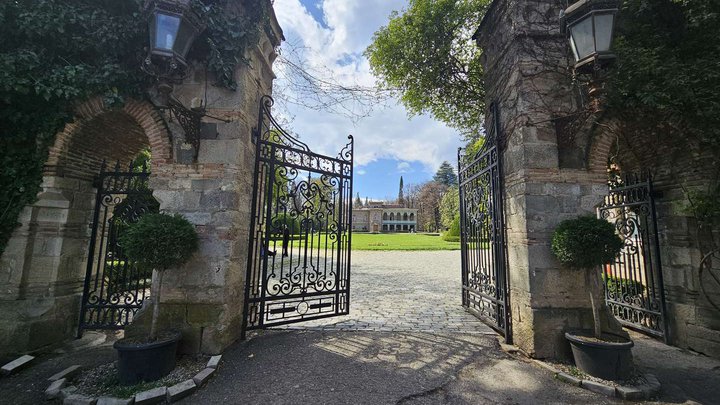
(634, 288)
(314, 277)
(485, 279)
(114, 287)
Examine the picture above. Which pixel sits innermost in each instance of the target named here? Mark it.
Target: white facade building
(380, 217)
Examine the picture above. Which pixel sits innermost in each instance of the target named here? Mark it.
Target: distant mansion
(381, 217)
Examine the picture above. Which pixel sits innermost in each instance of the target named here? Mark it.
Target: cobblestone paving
(403, 292)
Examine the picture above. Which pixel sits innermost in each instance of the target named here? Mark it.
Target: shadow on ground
(685, 376)
(314, 367)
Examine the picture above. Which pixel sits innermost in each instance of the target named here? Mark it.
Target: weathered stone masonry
(42, 270)
(550, 177)
(525, 60)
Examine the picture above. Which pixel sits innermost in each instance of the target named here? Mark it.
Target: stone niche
(43, 267)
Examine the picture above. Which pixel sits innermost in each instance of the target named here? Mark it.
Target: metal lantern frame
(168, 63)
(588, 11)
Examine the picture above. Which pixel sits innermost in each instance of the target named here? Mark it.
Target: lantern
(589, 25)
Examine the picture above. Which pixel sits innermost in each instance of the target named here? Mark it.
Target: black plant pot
(146, 361)
(609, 360)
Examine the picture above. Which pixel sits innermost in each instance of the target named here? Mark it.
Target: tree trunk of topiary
(157, 287)
(595, 287)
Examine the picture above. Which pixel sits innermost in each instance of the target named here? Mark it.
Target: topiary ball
(586, 242)
(160, 241)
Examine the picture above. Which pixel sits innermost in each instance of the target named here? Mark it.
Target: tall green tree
(446, 175)
(450, 206)
(427, 56)
(667, 74)
(401, 196)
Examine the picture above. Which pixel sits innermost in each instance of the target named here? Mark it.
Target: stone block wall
(552, 175)
(526, 60)
(40, 306)
(205, 298)
(43, 267)
(692, 295)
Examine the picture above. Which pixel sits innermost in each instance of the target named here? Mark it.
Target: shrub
(586, 242)
(453, 234)
(616, 285)
(160, 241)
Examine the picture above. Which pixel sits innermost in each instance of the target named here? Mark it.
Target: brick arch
(138, 122)
(603, 136)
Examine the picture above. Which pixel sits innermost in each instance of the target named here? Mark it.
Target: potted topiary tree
(586, 244)
(157, 242)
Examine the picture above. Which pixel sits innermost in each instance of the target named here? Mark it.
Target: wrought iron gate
(299, 247)
(482, 232)
(115, 287)
(634, 289)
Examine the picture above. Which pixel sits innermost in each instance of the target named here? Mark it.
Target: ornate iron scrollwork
(299, 248)
(634, 289)
(115, 287)
(190, 122)
(482, 232)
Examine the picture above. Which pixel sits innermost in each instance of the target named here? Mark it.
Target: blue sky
(388, 144)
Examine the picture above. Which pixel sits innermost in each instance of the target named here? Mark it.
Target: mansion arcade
(380, 217)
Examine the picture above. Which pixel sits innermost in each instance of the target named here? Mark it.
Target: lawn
(401, 241)
(380, 241)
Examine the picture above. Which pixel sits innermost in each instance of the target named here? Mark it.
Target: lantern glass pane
(603, 31)
(582, 36)
(166, 31)
(185, 37)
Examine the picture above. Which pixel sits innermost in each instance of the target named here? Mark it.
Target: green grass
(399, 241)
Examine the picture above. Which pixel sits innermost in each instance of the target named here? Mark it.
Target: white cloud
(345, 33)
(403, 167)
(361, 172)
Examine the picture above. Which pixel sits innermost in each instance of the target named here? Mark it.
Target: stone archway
(75, 151)
(47, 255)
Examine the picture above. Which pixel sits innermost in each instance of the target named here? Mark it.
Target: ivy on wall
(668, 70)
(666, 80)
(55, 53)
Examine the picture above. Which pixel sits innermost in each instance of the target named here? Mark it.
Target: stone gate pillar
(205, 297)
(44, 265)
(546, 178)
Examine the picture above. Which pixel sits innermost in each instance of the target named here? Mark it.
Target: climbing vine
(56, 53)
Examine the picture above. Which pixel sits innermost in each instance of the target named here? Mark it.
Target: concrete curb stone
(630, 393)
(115, 401)
(214, 361)
(16, 365)
(638, 393)
(53, 391)
(67, 391)
(564, 377)
(153, 396)
(598, 387)
(77, 399)
(67, 373)
(202, 377)
(181, 390)
(69, 395)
